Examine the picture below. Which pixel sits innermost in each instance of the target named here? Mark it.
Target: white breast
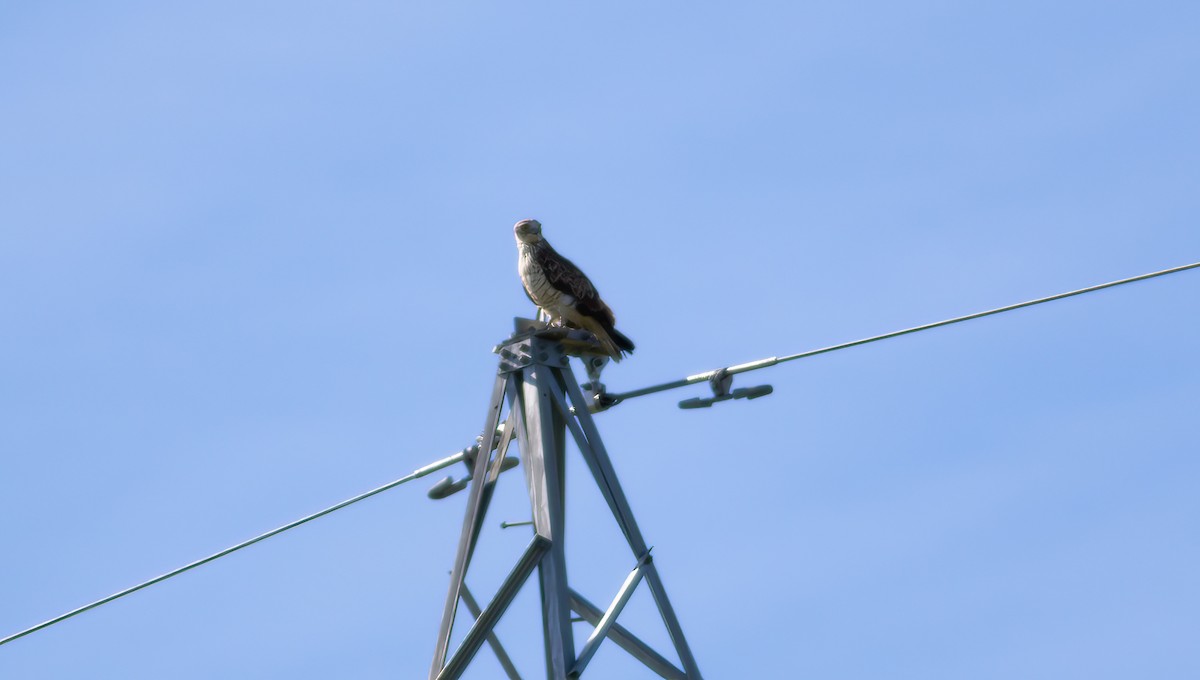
(544, 295)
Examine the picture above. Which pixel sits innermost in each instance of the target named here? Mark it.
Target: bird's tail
(616, 345)
(621, 340)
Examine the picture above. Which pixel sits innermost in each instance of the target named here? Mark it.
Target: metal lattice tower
(544, 403)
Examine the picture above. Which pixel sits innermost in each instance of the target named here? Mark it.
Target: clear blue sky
(253, 257)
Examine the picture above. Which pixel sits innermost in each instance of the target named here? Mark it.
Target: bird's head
(528, 231)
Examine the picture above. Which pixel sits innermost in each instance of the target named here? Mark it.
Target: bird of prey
(562, 292)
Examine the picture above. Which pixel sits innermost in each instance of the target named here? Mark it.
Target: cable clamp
(721, 382)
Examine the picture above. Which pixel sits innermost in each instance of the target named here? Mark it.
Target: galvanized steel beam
(493, 641)
(609, 618)
(483, 625)
(627, 640)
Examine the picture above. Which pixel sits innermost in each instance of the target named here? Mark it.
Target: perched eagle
(557, 286)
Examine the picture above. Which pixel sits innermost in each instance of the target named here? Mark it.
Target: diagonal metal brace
(627, 640)
(610, 617)
(505, 662)
(488, 618)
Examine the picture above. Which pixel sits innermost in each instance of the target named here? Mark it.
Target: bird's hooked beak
(528, 231)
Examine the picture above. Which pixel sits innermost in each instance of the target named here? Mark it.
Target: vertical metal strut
(470, 532)
(545, 402)
(543, 440)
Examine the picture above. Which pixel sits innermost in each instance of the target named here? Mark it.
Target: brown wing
(566, 277)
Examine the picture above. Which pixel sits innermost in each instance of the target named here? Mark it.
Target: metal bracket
(721, 381)
(598, 398)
